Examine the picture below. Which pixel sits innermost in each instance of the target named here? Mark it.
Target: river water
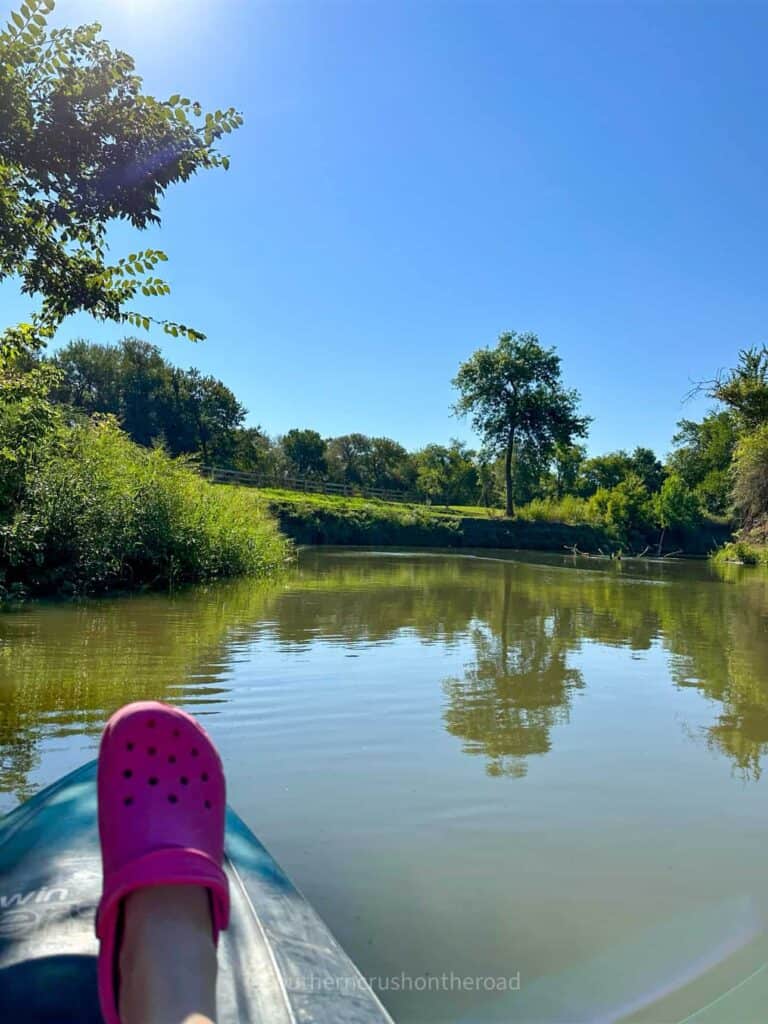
(517, 788)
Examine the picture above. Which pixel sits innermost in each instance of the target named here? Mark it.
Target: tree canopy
(153, 400)
(516, 400)
(82, 145)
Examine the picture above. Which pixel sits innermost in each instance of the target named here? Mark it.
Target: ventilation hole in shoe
(195, 751)
(172, 759)
(208, 805)
(175, 734)
(172, 798)
(129, 746)
(204, 776)
(128, 801)
(184, 780)
(151, 751)
(151, 723)
(152, 780)
(127, 773)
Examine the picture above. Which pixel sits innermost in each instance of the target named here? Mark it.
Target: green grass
(334, 501)
(545, 524)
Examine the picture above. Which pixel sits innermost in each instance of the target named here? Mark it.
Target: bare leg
(167, 957)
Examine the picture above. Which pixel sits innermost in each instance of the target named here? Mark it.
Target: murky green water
(476, 768)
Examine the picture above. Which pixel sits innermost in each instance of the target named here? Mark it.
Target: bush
(676, 505)
(621, 509)
(99, 511)
(741, 551)
(569, 509)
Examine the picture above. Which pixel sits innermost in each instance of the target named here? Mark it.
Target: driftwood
(619, 556)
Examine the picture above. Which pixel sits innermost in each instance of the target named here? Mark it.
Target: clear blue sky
(414, 178)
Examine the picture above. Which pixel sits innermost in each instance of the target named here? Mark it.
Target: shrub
(569, 509)
(99, 511)
(676, 505)
(622, 508)
(741, 551)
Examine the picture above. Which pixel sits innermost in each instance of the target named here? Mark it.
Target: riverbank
(327, 520)
(89, 511)
(743, 552)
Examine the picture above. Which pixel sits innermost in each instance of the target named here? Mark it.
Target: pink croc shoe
(161, 821)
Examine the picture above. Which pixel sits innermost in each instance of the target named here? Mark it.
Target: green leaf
(18, 19)
(174, 99)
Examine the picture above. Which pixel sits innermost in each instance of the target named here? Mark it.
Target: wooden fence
(305, 483)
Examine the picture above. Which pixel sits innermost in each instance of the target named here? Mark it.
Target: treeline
(158, 404)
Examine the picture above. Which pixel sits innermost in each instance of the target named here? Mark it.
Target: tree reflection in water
(64, 668)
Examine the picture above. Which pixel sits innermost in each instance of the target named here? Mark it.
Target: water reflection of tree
(63, 670)
(519, 685)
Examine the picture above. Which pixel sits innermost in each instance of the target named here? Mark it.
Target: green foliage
(304, 451)
(81, 146)
(153, 400)
(745, 389)
(253, 452)
(675, 505)
(603, 472)
(702, 458)
(98, 511)
(570, 509)
(645, 465)
(376, 462)
(568, 460)
(608, 471)
(750, 480)
(446, 474)
(27, 417)
(622, 508)
(743, 552)
(515, 397)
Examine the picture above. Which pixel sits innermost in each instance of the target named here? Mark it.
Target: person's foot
(165, 896)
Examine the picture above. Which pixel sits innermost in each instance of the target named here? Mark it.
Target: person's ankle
(167, 959)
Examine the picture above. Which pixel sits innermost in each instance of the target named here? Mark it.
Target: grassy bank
(94, 511)
(544, 526)
(744, 552)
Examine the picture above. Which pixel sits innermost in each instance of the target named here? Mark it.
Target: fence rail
(308, 484)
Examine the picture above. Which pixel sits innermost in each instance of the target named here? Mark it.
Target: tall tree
(603, 472)
(209, 411)
(153, 400)
(305, 452)
(650, 469)
(568, 460)
(702, 457)
(447, 473)
(515, 397)
(254, 452)
(745, 389)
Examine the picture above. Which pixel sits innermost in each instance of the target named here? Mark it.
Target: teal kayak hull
(278, 962)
